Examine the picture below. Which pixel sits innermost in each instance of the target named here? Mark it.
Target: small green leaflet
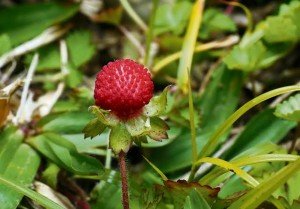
(289, 109)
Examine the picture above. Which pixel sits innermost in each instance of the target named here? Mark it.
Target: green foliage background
(216, 55)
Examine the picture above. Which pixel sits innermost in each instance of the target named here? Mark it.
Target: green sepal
(119, 139)
(93, 128)
(139, 140)
(289, 109)
(157, 104)
(138, 126)
(158, 129)
(104, 116)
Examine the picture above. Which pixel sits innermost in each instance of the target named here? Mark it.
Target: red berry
(124, 87)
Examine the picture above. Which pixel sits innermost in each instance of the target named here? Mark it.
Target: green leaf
(262, 192)
(66, 123)
(289, 109)
(280, 32)
(74, 77)
(21, 189)
(21, 168)
(279, 29)
(172, 17)
(28, 20)
(157, 104)
(292, 11)
(215, 21)
(195, 201)
(247, 58)
(89, 146)
(4, 43)
(120, 139)
(93, 128)
(10, 140)
(81, 48)
(49, 58)
(64, 154)
(107, 195)
(158, 129)
(263, 127)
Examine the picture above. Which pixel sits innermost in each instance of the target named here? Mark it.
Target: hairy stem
(123, 171)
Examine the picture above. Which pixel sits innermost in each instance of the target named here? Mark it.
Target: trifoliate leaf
(80, 47)
(279, 29)
(247, 58)
(172, 17)
(120, 139)
(157, 104)
(292, 11)
(93, 128)
(216, 21)
(158, 129)
(270, 40)
(289, 109)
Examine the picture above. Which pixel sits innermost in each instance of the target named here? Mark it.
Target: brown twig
(123, 171)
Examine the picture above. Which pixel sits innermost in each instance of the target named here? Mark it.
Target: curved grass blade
(210, 145)
(230, 166)
(262, 192)
(189, 43)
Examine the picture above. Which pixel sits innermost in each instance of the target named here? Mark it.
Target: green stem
(40, 199)
(123, 171)
(133, 15)
(247, 12)
(150, 35)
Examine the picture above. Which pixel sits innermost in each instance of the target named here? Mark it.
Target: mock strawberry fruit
(124, 87)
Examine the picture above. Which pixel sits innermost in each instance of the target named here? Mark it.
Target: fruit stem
(123, 171)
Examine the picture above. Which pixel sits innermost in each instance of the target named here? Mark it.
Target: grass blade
(208, 148)
(259, 194)
(40, 199)
(230, 166)
(189, 45)
(133, 15)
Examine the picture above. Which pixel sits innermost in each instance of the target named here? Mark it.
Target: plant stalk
(123, 171)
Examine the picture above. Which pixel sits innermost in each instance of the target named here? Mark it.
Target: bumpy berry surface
(124, 87)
